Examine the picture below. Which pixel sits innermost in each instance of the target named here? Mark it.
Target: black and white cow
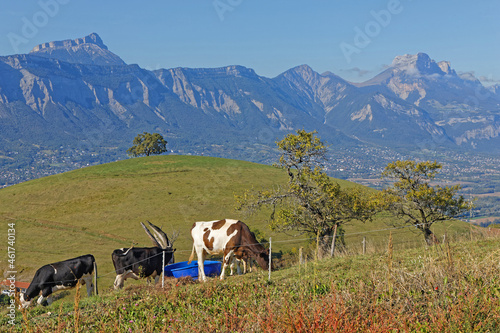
(143, 262)
(59, 276)
(229, 238)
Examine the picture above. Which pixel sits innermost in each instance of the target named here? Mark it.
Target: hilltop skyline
(355, 41)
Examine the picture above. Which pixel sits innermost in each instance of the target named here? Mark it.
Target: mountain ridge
(80, 94)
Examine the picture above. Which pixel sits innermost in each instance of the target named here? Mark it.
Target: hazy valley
(74, 103)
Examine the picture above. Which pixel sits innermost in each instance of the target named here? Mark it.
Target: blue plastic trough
(181, 269)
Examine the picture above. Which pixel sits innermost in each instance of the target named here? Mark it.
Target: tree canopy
(311, 202)
(413, 198)
(147, 144)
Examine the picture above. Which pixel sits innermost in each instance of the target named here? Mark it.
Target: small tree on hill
(311, 202)
(414, 199)
(147, 144)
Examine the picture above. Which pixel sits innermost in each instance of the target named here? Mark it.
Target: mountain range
(77, 93)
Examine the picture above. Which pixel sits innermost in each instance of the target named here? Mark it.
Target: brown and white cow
(227, 237)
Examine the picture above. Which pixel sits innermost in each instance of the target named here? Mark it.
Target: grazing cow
(59, 276)
(229, 237)
(143, 262)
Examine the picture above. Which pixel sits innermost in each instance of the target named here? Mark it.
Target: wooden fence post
(332, 249)
(364, 245)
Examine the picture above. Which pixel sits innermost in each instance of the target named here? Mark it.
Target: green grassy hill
(98, 209)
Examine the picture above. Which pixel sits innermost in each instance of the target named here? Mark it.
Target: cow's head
(24, 301)
(263, 259)
(169, 255)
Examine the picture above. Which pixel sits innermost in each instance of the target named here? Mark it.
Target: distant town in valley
(479, 174)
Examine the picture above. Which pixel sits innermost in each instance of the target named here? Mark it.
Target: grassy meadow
(454, 287)
(98, 209)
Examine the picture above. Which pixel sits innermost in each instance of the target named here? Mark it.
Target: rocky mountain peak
(89, 50)
(446, 67)
(304, 71)
(93, 38)
(419, 64)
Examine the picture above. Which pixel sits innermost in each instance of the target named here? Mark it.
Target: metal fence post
(270, 258)
(163, 270)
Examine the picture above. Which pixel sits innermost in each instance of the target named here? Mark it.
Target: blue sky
(353, 39)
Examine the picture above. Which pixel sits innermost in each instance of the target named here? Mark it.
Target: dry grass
(454, 287)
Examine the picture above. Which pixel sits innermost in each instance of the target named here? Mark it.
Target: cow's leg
(244, 262)
(156, 276)
(225, 261)
(87, 280)
(235, 262)
(238, 268)
(200, 253)
(45, 293)
(231, 267)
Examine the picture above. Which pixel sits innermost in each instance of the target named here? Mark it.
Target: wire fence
(377, 238)
(373, 234)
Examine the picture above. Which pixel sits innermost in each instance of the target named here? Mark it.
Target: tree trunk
(430, 238)
(317, 245)
(332, 250)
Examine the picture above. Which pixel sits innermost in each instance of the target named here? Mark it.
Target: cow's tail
(96, 292)
(191, 257)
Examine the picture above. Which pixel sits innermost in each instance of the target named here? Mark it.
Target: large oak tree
(311, 202)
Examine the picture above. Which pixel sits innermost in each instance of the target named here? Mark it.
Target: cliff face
(457, 102)
(74, 91)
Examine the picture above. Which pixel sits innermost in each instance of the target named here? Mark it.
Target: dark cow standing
(227, 237)
(142, 262)
(59, 276)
